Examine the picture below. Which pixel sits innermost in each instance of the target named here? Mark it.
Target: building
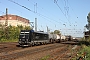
(87, 34)
(14, 20)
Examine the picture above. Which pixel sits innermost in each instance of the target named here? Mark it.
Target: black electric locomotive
(29, 37)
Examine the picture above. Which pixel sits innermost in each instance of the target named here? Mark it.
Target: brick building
(14, 20)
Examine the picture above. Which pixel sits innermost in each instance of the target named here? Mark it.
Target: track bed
(58, 51)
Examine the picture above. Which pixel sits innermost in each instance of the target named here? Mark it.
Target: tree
(2, 31)
(88, 17)
(13, 31)
(88, 20)
(51, 32)
(56, 32)
(27, 28)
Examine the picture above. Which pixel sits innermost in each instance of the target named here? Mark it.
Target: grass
(8, 40)
(84, 52)
(87, 50)
(45, 58)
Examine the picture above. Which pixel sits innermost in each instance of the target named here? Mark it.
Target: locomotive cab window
(24, 35)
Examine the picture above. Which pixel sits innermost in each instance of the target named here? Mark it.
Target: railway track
(8, 47)
(11, 52)
(58, 55)
(24, 52)
(65, 53)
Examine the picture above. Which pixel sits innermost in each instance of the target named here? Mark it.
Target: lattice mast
(6, 24)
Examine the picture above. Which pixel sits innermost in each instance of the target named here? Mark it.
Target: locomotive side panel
(40, 37)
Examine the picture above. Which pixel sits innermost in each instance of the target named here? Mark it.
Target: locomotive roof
(41, 32)
(34, 31)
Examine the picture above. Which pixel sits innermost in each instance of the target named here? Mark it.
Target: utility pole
(47, 30)
(35, 24)
(6, 24)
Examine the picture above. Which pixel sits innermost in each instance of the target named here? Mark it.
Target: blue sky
(68, 16)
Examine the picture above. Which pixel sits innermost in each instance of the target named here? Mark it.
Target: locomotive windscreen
(24, 35)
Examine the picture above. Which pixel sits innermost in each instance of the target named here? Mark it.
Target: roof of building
(14, 17)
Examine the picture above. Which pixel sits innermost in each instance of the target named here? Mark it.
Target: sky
(68, 16)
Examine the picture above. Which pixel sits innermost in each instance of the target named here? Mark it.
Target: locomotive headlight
(19, 40)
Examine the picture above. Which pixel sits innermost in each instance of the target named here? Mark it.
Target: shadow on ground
(77, 43)
(84, 42)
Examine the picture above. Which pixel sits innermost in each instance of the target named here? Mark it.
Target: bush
(13, 33)
(88, 40)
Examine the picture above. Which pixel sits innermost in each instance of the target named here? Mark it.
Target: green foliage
(52, 33)
(56, 32)
(88, 20)
(13, 33)
(2, 31)
(88, 52)
(84, 52)
(11, 40)
(88, 40)
(45, 58)
(82, 39)
(88, 17)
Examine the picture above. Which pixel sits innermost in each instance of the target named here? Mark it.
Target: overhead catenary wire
(3, 13)
(43, 16)
(33, 11)
(21, 5)
(71, 9)
(67, 9)
(60, 21)
(35, 5)
(67, 6)
(55, 1)
(49, 19)
(66, 2)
